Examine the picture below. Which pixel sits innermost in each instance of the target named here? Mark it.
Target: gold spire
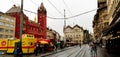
(35, 19)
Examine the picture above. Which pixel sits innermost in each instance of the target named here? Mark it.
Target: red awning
(43, 41)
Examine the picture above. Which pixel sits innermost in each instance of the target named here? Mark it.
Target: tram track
(65, 52)
(58, 52)
(72, 52)
(81, 54)
(70, 55)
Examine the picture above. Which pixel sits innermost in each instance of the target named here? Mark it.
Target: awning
(43, 41)
(111, 28)
(70, 42)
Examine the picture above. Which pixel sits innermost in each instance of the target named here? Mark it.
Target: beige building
(74, 34)
(114, 17)
(50, 34)
(7, 26)
(106, 18)
(101, 21)
(53, 35)
(112, 4)
(111, 30)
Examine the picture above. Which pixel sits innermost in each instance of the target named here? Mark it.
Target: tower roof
(42, 8)
(14, 9)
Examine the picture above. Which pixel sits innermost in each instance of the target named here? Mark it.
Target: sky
(55, 9)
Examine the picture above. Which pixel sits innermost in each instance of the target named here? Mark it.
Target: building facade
(7, 26)
(38, 29)
(101, 21)
(107, 19)
(87, 37)
(53, 35)
(74, 34)
(112, 4)
(114, 18)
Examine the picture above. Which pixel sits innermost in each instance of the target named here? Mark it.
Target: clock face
(40, 9)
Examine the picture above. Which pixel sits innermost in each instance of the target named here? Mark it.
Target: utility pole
(21, 20)
(21, 25)
(64, 26)
(64, 19)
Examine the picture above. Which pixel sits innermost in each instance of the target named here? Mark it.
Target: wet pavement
(101, 52)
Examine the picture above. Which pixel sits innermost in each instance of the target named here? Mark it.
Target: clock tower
(42, 20)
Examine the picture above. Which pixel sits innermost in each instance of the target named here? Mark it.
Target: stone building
(87, 37)
(7, 26)
(53, 35)
(106, 21)
(114, 18)
(74, 34)
(101, 20)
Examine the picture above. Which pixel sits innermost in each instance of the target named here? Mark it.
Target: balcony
(116, 13)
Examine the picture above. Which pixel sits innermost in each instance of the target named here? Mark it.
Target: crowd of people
(44, 48)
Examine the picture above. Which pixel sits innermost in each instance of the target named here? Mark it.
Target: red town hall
(38, 29)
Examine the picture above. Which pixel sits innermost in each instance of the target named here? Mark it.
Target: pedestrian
(91, 48)
(20, 51)
(15, 52)
(101, 43)
(36, 49)
(95, 49)
(54, 48)
(80, 44)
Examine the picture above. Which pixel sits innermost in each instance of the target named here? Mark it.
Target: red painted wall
(42, 22)
(38, 29)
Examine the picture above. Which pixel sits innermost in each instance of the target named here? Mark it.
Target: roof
(0, 12)
(77, 26)
(68, 27)
(42, 9)
(73, 27)
(14, 9)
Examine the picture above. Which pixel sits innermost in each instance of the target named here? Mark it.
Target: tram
(28, 44)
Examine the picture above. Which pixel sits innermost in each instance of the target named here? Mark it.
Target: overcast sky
(72, 7)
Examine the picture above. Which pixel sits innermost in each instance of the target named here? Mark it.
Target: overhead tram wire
(55, 7)
(34, 3)
(47, 16)
(36, 13)
(75, 15)
(63, 18)
(67, 7)
(81, 14)
(58, 11)
(29, 11)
